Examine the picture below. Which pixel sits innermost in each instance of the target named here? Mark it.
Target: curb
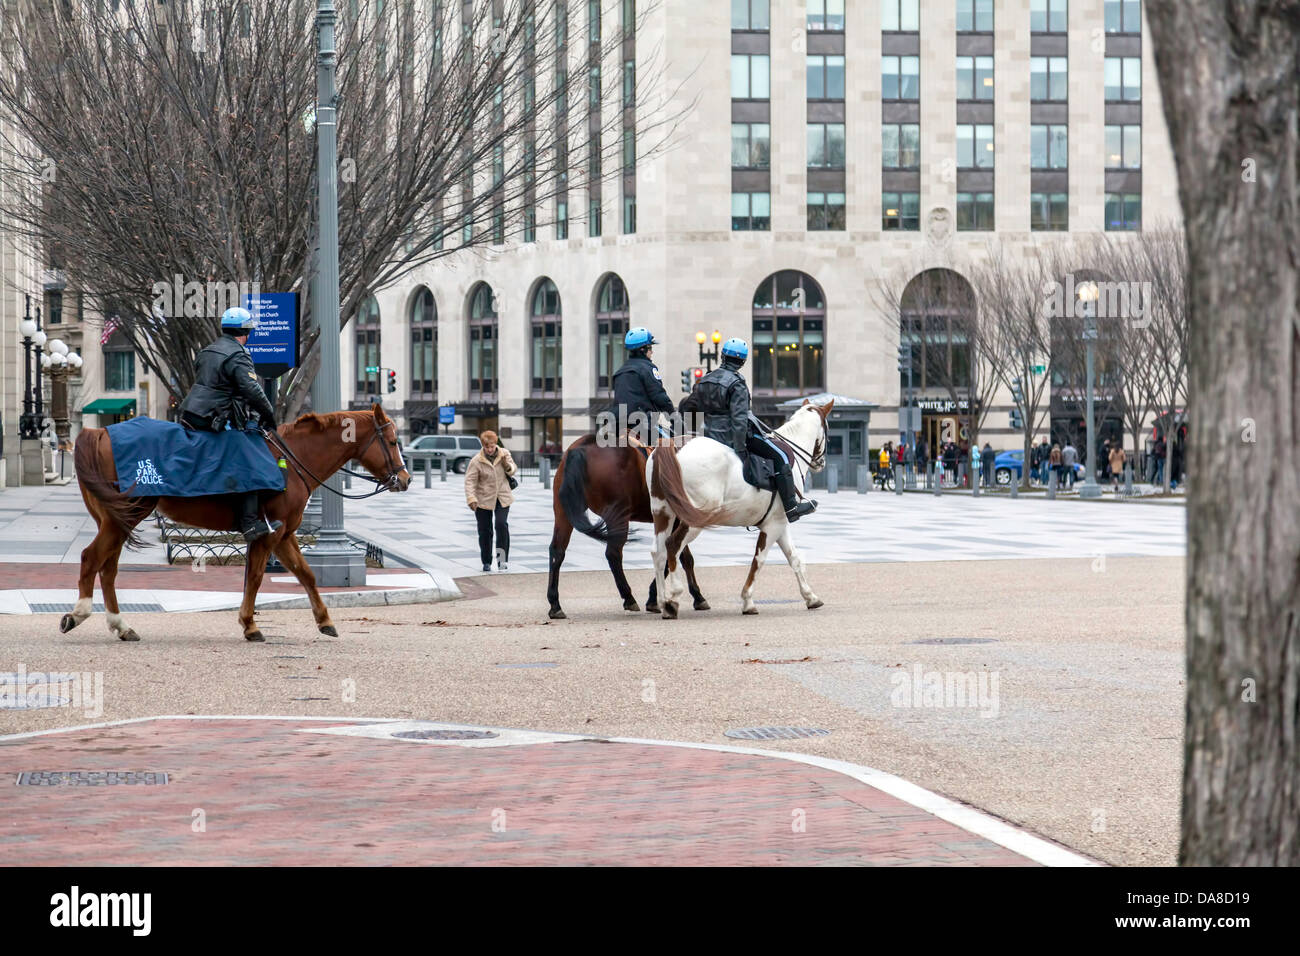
(361, 599)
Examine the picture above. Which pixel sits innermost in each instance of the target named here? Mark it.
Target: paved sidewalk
(277, 791)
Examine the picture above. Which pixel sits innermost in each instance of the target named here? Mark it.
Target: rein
(385, 484)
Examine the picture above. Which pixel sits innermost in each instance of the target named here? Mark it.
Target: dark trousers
(763, 448)
(485, 524)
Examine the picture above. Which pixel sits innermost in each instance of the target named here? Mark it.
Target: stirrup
(805, 507)
(261, 530)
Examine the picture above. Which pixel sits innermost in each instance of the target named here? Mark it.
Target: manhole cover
(956, 640)
(446, 734)
(533, 664)
(88, 778)
(775, 733)
(32, 700)
(34, 691)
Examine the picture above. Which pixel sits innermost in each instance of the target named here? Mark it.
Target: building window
(901, 146)
(1123, 211)
(1049, 146)
(825, 77)
(1124, 78)
(975, 78)
(749, 14)
(901, 211)
(1123, 147)
(900, 16)
(900, 77)
(789, 344)
(1049, 16)
(593, 217)
(826, 15)
(546, 435)
(975, 146)
(467, 228)
(751, 212)
(547, 330)
(119, 363)
(974, 211)
(629, 214)
(561, 219)
(498, 224)
(825, 211)
(482, 342)
(826, 145)
(530, 225)
(974, 16)
(938, 308)
(1049, 212)
(629, 150)
(629, 83)
(1049, 78)
(1123, 16)
(751, 145)
(424, 345)
(612, 318)
(749, 76)
(367, 348)
(54, 308)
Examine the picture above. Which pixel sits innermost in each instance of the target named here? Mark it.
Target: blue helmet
(735, 348)
(237, 320)
(638, 338)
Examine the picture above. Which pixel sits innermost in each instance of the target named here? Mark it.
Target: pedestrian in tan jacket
(1116, 460)
(487, 489)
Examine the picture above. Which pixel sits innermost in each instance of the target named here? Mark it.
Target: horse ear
(378, 411)
(826, 409)
(805, 402)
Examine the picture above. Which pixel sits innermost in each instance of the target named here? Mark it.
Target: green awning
(109, 406)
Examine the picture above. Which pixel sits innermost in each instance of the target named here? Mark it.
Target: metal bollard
(1051, 485)
(864, 479)
(977, 478)
(442, 464)
(544, 472)
(428, 473)
(898, 479)
(833, 479)
(938, 478)
(1128, 479)
(347, 480)
(1015, 486)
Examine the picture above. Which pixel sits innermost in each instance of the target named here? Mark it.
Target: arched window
(424, 345)
(789, 339)
(482, 342)
(367, 348)
(938, 306)
(612, 318)
(548, 365)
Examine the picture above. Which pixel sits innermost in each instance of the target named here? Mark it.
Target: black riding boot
(250, 519)
(794, 508)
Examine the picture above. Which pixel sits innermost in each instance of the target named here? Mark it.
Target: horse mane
(320, 422)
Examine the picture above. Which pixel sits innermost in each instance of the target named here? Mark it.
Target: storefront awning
(109, 406)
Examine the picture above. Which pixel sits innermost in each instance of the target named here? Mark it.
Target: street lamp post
(29, 427)
(708, 357)
(1088, 293)
(333, 559)
(62, 363)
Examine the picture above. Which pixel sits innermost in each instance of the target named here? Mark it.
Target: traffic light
(686, 380)
(698, 374)
(1017, 422)
(904, 357)
(392, 381)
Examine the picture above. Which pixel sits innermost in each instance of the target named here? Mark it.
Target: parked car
(457, 449)
(1009, 463)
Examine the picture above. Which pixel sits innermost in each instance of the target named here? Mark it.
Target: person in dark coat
(987, 457)
(226, 394)
(638, 386)
(722, 397)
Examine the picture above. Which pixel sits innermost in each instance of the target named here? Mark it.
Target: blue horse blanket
(164, 458)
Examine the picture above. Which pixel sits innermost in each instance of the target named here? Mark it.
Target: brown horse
(319, 445)
(610, 481)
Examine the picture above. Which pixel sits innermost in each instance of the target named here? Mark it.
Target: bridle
(388, 483)
(815, 459)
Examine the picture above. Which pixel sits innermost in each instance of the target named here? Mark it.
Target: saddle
(759, 472)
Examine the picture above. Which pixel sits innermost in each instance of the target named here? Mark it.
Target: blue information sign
(274, 343)
(446, 414)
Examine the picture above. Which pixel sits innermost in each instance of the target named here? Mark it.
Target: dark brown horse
(610, 481)
(319, 445)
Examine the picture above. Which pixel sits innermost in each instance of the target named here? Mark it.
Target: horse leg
(673, 578)
(254, 568)
(792, 555)
(107, 579)
(652, 599)
(688, 565)
(559, 545)
(756, 565)
(290, 556)
(93, 557)
(614, 555)
(663, 524)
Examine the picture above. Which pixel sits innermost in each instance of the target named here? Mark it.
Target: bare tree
(1228, 82)
(178, 140)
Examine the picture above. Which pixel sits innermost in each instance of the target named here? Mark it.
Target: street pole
(1090, 488)
(333, 559)
(39, 397)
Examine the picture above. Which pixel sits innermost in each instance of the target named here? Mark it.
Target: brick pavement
(271, 794)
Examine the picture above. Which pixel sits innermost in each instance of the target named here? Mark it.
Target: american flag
(111, 326)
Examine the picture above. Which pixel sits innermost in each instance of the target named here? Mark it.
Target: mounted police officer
(638, 386)
(722, 397)
(226, 393)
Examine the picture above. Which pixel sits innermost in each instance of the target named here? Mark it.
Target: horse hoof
(652, 608)
(67, 624)
(328, 629)
(254, 636)
(128, 635)
(702, 605)
(750, 610)
(670, 610)
(816, 604)
(631, 605)
(555, 614)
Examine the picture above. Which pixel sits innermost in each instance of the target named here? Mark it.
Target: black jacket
(225, 389)
(638, 387)
(722, 397)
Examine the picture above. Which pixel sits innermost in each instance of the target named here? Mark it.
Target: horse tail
(666, 484)
(572, 495)
(120, 508)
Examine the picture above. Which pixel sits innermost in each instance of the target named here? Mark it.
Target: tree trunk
(1228, 79)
